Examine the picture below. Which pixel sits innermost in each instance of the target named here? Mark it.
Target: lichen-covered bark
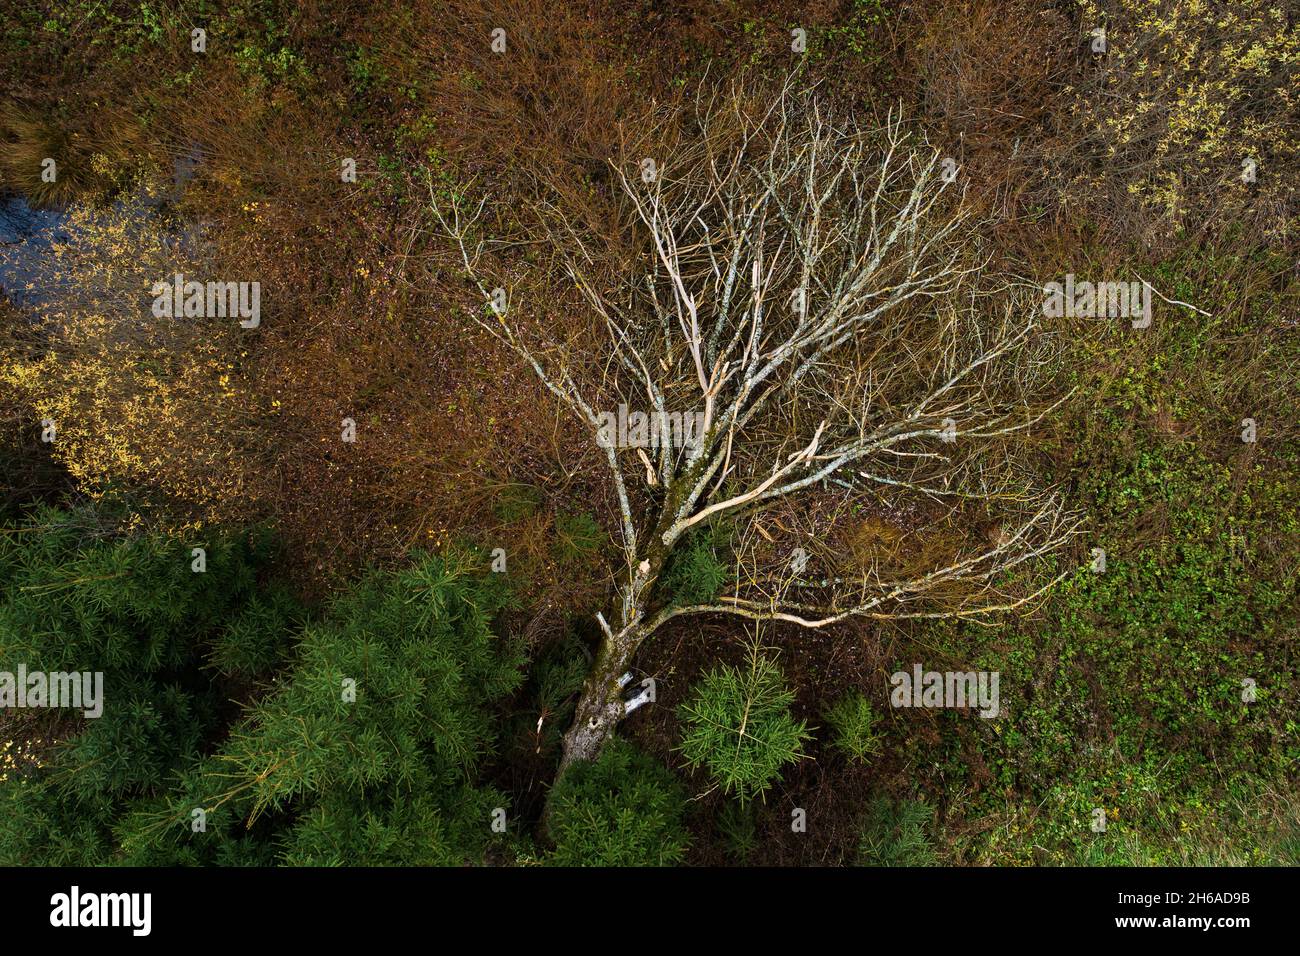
(601, 707)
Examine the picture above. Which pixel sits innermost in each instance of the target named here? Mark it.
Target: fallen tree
(804, 286)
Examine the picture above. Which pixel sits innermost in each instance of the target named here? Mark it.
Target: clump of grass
(52, 163)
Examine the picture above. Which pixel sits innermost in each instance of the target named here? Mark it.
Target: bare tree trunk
(601, 707)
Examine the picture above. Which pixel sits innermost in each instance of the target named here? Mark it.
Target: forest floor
(1120, 691)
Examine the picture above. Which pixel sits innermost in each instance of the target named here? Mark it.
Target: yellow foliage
(137, 401)
(1189, 92)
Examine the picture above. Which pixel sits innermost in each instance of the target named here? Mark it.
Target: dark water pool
(26, 237)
